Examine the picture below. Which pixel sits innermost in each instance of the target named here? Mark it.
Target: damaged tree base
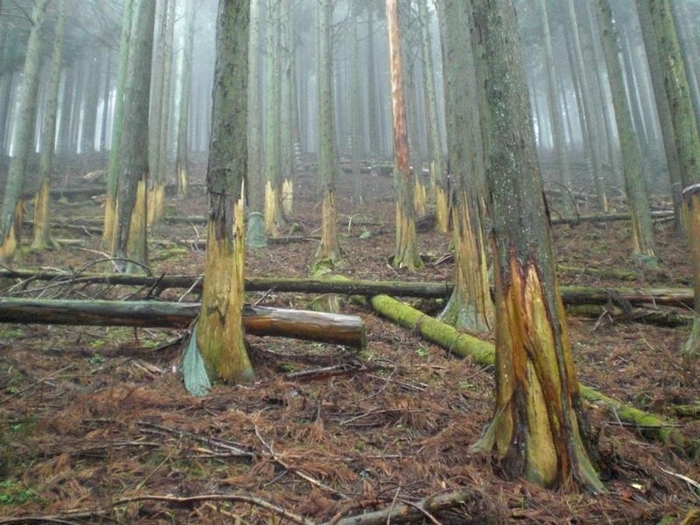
(263, 321)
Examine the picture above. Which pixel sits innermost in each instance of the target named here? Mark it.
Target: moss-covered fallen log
(300, 324)
(483, 353)
(683, 297)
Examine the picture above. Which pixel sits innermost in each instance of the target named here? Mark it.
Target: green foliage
(15, 493)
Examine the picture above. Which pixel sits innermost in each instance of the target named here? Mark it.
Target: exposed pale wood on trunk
(263, 321)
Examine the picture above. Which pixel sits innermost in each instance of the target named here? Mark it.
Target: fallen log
(484, 354)
(572, 295)
(608, 217)
(300, 324)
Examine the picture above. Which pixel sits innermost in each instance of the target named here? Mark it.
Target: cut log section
(345, 330)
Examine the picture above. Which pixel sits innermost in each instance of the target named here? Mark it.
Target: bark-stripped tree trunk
(470, 305)
(130, 228)
(274, 216)
(12, 204)
(328, 251)
(42, 227)
(220, 328)
(114, 166)
(642, 226)
(256, 236)
(438, 177)
(157, 181)
(286, 121)
(538, 429)
(687, 141)
(406, 252)
(184, 89)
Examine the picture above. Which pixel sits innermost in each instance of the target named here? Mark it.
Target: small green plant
(15, 493)
(97, 359)
(467, 385)
(422, 352)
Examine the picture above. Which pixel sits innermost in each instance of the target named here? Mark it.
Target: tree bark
(538, 430)
(12, 205)
(642, 229)
(42, 226)
(406, 252)
(220, 329)
(263, 321)
(328, 251)
(129, 241)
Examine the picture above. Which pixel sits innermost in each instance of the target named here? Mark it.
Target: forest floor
(96, 425)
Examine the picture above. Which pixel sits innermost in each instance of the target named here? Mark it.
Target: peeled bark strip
(257, 320)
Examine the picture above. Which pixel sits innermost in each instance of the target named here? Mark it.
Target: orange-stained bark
(406, 253)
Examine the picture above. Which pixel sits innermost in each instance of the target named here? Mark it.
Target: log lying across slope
(300, 324)
(570, 294)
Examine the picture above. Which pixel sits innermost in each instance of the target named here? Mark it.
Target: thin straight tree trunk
(470, 305)
(437, 171)
(62, 142)
(256, 236)
(105, 99)
(664, 111)
(555, 114)
(183, 101)
(92, 95)
(687, 141)
(286, 108)
(274, 216)
(114, 166)
(130, 229)
(220, 330)
(328, 251)
(156, 204)
(642, 226)
(375, 110)
(11, 219)
(356, 105)
(589, 120)
(538, 429)
(406, 252)
(42, 227)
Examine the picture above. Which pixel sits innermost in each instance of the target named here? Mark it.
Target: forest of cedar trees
(350, 262)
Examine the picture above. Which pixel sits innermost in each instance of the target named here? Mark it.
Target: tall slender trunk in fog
(555, 113)
(406, 252)
(274, 216)
(160, 126)
(130, 229)
(256, 237)
(219, 332)
(328, 251)
(642, 226)
(184, 89)
(114, 166)
(92, 96)
(690, 48)
(375, 109)
(438, 177)
(11, 219)
(664, 111)
(589, 120)
(687, 141)
(470, 306)
(105, 98)
(42, 227)
(356, 105)
(538, 430)
(287, 94)
(5, 83)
